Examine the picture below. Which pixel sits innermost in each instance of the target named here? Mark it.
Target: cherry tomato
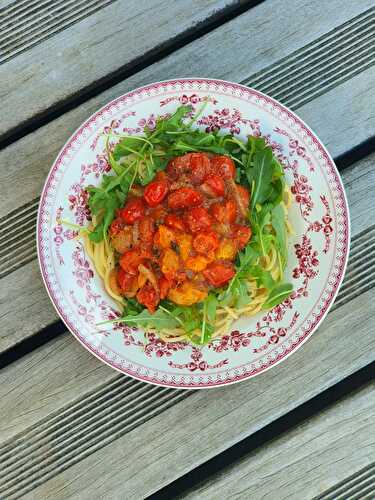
(116, 226)
(155, 192)
(242, 235)
(125, 280)
(148, 296)
(223, 166)
(244, 195)
(218, 274)
(133, 210)
(205, 242)
(199, 167)
(224, 212)
(164, 286)
(146, 230)
(214, 184)
(130, 260)
(174, 222)
(178, 166)
(184, 198)
(198, 219)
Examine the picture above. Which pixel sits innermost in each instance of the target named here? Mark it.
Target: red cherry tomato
(184, 198)
(244, 195)
(215, 184)
(164, 286)
(125, 280)
(146, 230)
(223, 166)
(199, 167)
(178, 166)
(205, 242)
(174, 222)
(133, 210)
(155, 192)
(218, 274)
(242, 235)
(198, 219)
(117, 226)
(224, 212)
(130, 260)
(148, 296)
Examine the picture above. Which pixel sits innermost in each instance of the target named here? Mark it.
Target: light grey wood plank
(114, 37)
(175, 441)
(62, 65)
(337, 106)
(306, 461)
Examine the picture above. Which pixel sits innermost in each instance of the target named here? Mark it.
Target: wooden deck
(71, 427)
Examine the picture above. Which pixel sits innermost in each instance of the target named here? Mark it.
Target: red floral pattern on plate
(322, 235)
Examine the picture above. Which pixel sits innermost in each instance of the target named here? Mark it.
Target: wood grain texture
(25, 24)
(330, 114)
(62, 376)
(277, 80)
(117, 36)
(306, 461)
(171, 443)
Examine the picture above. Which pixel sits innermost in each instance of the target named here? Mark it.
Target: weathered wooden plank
(61, 377)
(88, 51)
(330, 114)
(306, 461)
(118, 36)
(74, 462)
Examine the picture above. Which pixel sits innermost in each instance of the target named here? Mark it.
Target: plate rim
(281, 357)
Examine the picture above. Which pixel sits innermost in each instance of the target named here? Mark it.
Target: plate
(318, 250)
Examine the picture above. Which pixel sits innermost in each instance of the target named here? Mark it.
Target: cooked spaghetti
(190, 233)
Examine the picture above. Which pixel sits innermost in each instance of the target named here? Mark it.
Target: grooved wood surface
(63, 375)
(119, 35)
(305, 462)
(330, 114)
(70, 426)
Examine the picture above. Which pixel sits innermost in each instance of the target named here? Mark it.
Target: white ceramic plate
(318, 251)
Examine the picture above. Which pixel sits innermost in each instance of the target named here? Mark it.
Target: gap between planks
(296, 80)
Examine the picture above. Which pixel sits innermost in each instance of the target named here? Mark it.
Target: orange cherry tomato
(223, 166)
(244, 195)
(174, 222)
(199, 167)
(206, 242)
(164, 286)
(218, 274)
(215, 184)
(198, 219)
(184, 198)
(130, 260)
(242, 235)
(149, 297)
(133, 210)
(224, 212)
(146, 230)
(155, 192)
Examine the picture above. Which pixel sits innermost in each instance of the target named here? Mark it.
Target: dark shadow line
(213, 467)
(152, 56)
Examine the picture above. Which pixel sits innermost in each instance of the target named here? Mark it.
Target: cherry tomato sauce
(178, 237)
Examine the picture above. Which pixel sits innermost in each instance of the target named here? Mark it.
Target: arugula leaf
(159, 319)
(277, 295)
(262, 176)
